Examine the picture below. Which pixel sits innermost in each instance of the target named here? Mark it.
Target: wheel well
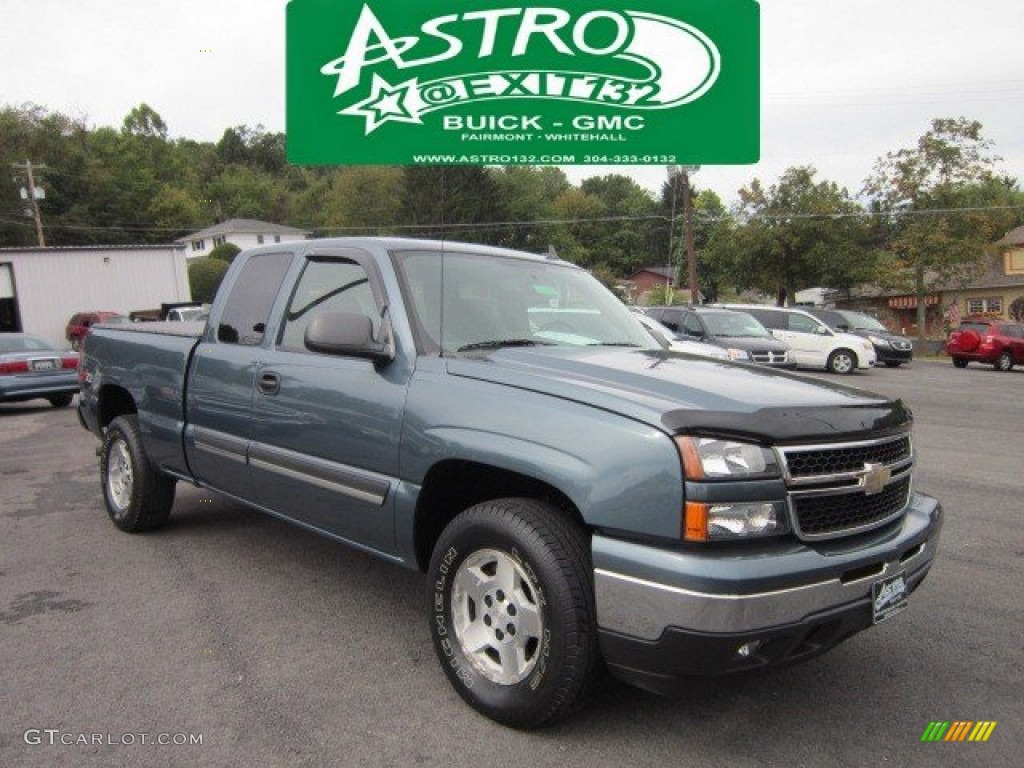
(453, 486)
(113, 402)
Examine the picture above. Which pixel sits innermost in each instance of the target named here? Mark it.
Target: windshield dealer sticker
(462, 82)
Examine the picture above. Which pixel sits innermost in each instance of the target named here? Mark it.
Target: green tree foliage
(529, 195)
(364, 200)
(798, 234)
(665, 295)
(625, 241)
(927, 191)
(204, 276)
(456, 202)
(225, 252)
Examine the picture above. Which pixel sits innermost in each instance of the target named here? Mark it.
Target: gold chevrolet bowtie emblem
(876, 477)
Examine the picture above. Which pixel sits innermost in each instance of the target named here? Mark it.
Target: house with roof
(245, 233)
(992, 291)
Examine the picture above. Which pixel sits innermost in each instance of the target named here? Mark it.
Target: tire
(891, 364)
(60, 401)
(138, 496)
(512, 611)
(842, 361)
(1004, 362)
(959, 362)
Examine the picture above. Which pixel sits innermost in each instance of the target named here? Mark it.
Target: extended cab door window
(245, 315)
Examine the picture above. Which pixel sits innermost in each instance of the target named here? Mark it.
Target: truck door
(326, 428)
(222, 376)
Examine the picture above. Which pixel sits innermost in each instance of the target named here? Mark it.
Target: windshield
(859, 322)
(738, 324)
(492, 301)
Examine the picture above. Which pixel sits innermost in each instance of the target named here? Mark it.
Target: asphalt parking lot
(278, 648)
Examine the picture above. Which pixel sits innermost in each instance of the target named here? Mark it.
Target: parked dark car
(30, 368)
(81, 322)
(739, 333)
(892, 349)
(987, 340)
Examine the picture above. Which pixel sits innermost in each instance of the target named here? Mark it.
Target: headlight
(711, 458)
(738, 354)
(742, 520)
(866, 344)
(878, 341)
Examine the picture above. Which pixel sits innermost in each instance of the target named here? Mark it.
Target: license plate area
(43, 364)
(889, 596)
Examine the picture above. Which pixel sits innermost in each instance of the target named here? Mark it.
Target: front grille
(841, 489)
(902, 345)
(768, 357)
(820, 516)
(833, 460)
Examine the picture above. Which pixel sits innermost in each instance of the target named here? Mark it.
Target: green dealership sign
(559, 82)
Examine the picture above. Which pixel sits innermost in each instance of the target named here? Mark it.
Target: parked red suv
(81, 322)
(985, 340)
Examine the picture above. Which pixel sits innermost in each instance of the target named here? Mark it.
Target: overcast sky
(843, 81)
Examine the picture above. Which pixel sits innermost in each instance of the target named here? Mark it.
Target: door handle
(269, 383)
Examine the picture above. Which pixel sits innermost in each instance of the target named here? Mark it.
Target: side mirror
(842, 327)
(345, 333)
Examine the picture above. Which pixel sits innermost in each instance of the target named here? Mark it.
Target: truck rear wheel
(138, 496)
(512, 611)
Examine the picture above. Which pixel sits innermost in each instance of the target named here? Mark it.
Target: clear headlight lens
(741, 520)
(712, 458)
(878, 341)
(738, 354)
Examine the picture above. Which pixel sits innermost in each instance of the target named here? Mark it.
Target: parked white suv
(814, 344)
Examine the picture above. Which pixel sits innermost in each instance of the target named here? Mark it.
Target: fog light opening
(747, 650)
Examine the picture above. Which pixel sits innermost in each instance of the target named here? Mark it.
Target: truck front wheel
(138, 496)
(512, 611)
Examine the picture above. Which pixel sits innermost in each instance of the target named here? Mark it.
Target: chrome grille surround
(841, 489)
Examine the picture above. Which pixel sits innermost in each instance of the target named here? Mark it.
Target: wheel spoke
(505, 576)
(471, 582)
(475, 638)
(530, 623)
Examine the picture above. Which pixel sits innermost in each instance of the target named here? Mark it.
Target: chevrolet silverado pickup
(580, 498)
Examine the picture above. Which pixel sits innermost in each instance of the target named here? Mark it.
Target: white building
(41, 288)
(245, 233)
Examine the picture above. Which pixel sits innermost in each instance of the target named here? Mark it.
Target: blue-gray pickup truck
(580, 498)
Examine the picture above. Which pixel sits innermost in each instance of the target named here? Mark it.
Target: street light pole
(691, 255)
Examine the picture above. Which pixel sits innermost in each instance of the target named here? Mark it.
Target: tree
(445, 199)
(935, 196)
(367, 197)
(204, 276)
(225, 252)
(798, 234)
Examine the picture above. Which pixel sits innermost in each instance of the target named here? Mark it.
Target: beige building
(992, 293)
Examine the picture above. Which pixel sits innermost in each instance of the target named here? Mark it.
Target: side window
(337, 285)
(671, 319)
(803, 324)
(768, 318)
(248, 306)
(691, 325)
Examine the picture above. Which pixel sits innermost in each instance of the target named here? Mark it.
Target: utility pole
(27, 169)
(691, 255)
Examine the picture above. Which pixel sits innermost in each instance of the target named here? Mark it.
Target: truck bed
(149, 362)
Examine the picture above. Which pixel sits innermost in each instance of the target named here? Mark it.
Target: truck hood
(684, 393)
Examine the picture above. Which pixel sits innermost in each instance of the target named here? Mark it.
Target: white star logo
(387, 103)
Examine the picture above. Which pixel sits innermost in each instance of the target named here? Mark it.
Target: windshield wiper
(612, 344)
(500, 343)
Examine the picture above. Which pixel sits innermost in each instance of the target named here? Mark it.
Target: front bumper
(664, 615)
(892, 355)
